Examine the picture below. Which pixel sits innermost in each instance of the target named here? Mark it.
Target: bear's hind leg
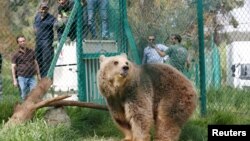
(127, 134)
(140, 129)
(166, 126)
(125, 128)
(166, 130)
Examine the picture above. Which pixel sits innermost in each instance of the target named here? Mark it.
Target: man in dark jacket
(43, 26)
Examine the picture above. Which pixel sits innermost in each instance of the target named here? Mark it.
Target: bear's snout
(124, 71)
(125, 68)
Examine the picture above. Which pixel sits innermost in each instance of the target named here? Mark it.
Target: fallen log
(78, 104)
(25, 111)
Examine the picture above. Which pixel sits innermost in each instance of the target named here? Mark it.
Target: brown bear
(139, 97)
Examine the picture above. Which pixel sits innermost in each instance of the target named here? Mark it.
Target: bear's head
(115, 69)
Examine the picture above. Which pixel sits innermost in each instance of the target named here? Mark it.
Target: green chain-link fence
(221, 27)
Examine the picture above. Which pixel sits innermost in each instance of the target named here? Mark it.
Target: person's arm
(161, 53)
(14, 77)
(58, 22)
(162, 47)
(37, 71)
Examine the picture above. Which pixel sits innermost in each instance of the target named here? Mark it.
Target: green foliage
(222, 117)
(38, 130)
(199, 133)
(229, 100)
(7, 106)
(212, 5)
(92, 122)
(161, 18)
(10, 94)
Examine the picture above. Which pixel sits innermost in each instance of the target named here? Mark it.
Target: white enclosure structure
(65, 74)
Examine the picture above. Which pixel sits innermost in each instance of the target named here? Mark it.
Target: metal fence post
(201, 57)
(129, 34)
(79, 54)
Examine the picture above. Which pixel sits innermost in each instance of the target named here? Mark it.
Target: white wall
(65, 74)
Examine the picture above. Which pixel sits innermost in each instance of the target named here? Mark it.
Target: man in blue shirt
(43, 26)
(150, 54)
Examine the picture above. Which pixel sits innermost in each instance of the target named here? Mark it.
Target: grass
(86, 124)
(230, 100)
(91, 123)
(38, 130)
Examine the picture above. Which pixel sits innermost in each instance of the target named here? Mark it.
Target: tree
(217, 15)
(163, 17)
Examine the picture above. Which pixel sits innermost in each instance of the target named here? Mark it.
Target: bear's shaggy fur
(141, 96)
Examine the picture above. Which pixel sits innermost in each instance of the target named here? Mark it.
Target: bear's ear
(101, 58)
(124, 55)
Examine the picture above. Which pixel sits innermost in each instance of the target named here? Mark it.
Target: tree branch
(48, 101)
(77, 103)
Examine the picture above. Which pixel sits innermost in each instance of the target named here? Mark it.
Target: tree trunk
(25, 111)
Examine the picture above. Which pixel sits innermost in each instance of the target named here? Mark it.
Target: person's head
(151, 39)
(43, 8)
(175, 39)
(62, 2)
(21, 41)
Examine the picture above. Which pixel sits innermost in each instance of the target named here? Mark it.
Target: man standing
(24, 67)
(178, 55)
(43, 26)
(102, 5)
(150, 54)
